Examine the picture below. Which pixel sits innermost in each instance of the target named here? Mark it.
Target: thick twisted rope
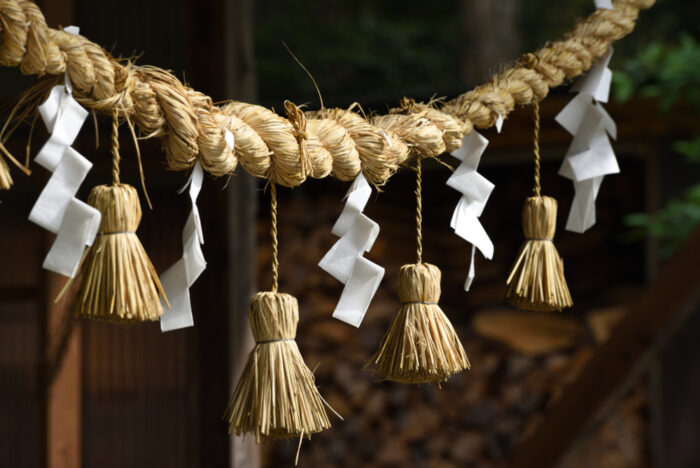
(338, 142)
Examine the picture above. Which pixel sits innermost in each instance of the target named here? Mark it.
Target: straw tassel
(421, 346)
(276, 396)
(118, 281)
(536, 281)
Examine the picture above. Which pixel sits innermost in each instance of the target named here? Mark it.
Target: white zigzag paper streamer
(344, 260)
(179, 278)
(57, 210)
(475, 190)
(590, 156)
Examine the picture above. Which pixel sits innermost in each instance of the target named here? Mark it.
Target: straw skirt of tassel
(536, 281)
(5, 177)
(421, 346)
(119, 283)
(276, 396)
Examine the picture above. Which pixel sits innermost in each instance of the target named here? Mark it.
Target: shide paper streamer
(344, 260)
(57, 210)
(475, 190)
(590, 156)
(178, 279)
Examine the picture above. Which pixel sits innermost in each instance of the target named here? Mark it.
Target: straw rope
(267, 145)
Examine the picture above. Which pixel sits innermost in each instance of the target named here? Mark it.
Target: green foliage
(668, 73)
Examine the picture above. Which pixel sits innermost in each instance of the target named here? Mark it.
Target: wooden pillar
(63, 379)
(62, 370)
(240, 84)
(490, 37)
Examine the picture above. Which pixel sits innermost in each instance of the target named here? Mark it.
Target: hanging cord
(536, 144)
(419, 211)
(273, 234)
(115, 148)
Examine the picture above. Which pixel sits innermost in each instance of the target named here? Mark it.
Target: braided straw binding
(267, 145)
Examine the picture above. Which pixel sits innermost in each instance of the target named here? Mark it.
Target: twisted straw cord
(273, 235)
(536, 144)
(116, 158)
(191, 127)
(419, 211)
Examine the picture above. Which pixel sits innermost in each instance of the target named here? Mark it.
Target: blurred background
(87, 394)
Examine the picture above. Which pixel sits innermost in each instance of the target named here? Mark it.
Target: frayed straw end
(119, 283)
(536, 281)
(5, 177)
(421, 346)
(276, 396)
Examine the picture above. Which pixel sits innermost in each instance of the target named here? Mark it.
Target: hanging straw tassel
(276, 396)
(119, 283)
(536, 281)
(421, 346)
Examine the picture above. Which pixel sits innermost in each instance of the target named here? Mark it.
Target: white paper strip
(177, 280)
(344, 260)
(606, 4)
(63, 117)
(78, 229)
(476, 190)
(590, 156)
(59, 191)
(57, 209)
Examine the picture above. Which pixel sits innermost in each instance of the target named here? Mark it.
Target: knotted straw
(276, 396)
(421, 346)
(118, 281)
(536, 281)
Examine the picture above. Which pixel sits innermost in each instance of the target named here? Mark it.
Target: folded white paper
(63, 117)
(78, 229)
(596, 81)
(590, 156)
(358, 292)
(177, 280)
(59, 191)
(476, 190)
(57, 209)
(344, 260)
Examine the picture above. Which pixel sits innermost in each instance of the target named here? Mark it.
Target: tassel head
(118, 281)
(419, 282)
(536, 281)
(540, 218)
(276, 396)
(421, 346)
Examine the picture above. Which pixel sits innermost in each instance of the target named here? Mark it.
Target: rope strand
(419, 210)
(116, 158)
(536, 145)
(273, 234)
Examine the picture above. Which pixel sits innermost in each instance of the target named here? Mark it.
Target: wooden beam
(618, 363)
